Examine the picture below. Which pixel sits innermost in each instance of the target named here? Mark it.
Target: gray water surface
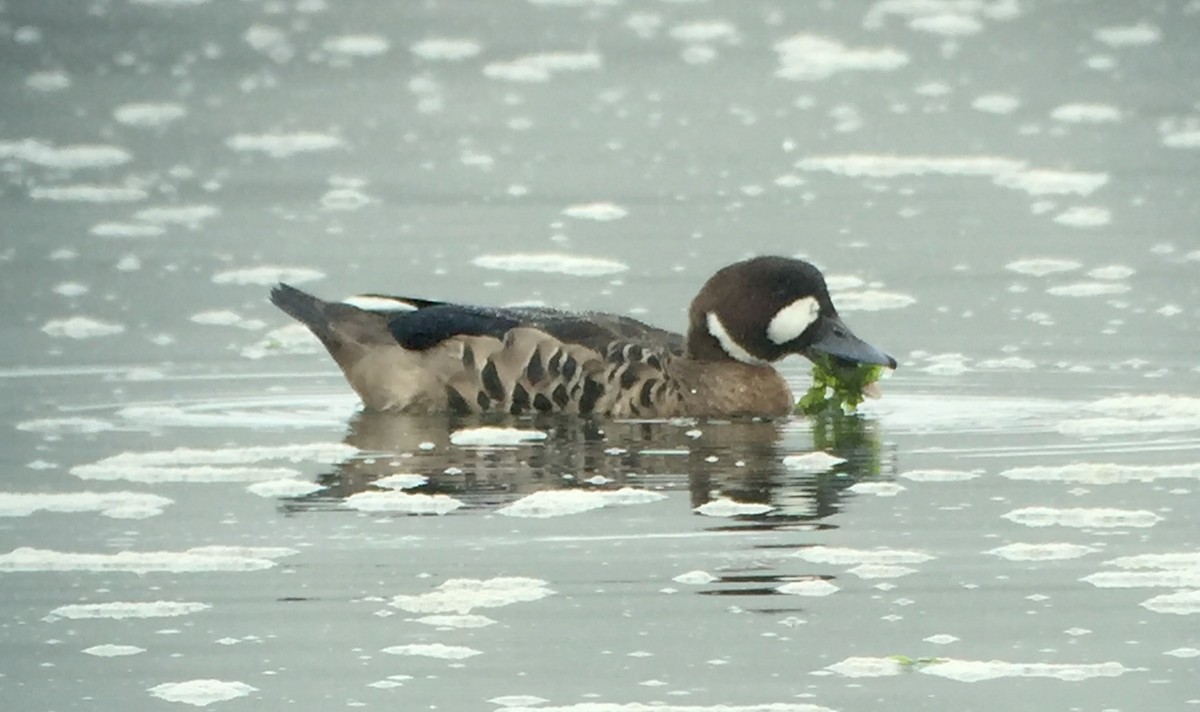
(194, 511)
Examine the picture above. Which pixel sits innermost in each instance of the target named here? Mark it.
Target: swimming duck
(421, 356)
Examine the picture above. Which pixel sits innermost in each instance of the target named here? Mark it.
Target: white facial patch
(732, 347)
(791, 321)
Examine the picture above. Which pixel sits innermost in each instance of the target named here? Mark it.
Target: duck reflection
(742, 460)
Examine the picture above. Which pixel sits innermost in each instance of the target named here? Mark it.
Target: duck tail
(304, 308)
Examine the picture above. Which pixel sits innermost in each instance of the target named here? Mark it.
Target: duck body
(420, 356)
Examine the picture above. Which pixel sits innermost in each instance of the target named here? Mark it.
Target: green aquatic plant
(837, 387)
(912, 664)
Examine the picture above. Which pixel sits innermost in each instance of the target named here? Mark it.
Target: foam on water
(1128, 35)
(401, 481)
(461, 596)
(1103, 473)
(434, 650)
(149, 114)
(284, 145)
(725, 507)
(117, 505)
(494, 437)
(267, 275)
(1180, 603)
(664, 707)
(120, 610)
(873, 300)
(1087, 518)
(199, 693)
(357, 45)
(838, 556)
(939, 475)
(979, 670)
(81, 327)
(185, 215)
(808, 57)
(1086, 113)
(1047, 182)
(1046, 551)
(211, 465)
(557, 503)
(283, 488)
(809, 587)
(1042, 266)
(947, 24)
(879, 489)
(402, 503)
(446, 49)
(996, 103)
(599, 212)
(812, 462)
(695, 578)
(200, 559)
(89, 193)
(1084, 216)
(457, 622)
(74, 157)
(134, 230)
(49, 80)
(550, 262)
(1088, 289)
(110, 650)
(542, 67)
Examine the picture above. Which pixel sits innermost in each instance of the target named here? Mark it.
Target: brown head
(765, 308)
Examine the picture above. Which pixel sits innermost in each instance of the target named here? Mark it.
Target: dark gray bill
(834, 338)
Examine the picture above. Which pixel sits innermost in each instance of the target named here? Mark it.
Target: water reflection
(742, 460)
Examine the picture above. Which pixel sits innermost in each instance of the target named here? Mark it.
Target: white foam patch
(149, 115)
(879, 489)
(979, 670)
(695, 578)
(1181, 138)
(1047, 182)
(725, 507)
(186, 215)
(1183, 652)
(200, 693)
(345, 199)
(518, 700)
(402, 503)
(880, 571)
(808, 587)
(73, 157)
(357, 45)
(446, 49)
(47, 81)
(869, 165)
(200, 559)
(873, 300)
(71, 289)
(947, 24)
(81, 327)
(75, 425)
(551, 263)
(996, 103)
(1128, 35)
(1048, 551)
(557, 503)
(807, 57)
(121, 610)
(1084, 216)
(284, 145)
(1094, 518)
(1102, 473)
(1169, 578)
(401, 481)
(1181, 560)
(1086, 113)
(542, 67)
(89, 193)
(939, 475)
(705, 31)
(1088, 289)
(434, 650)
(812, 462)
(215, 465)
(598, 212)
(130, 230)
(117, 505)
(1181, 603)
(283, 488)
(840, 556)
(1042, 266)
(225, 317)
(461, 596)
(494, 437)
(861, 666)
(1112, 272)
(267, 275)
(110, 650)
(458, 622)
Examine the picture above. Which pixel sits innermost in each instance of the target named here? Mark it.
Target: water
(193, 510)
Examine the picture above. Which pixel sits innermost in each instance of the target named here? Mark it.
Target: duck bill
(833, 338)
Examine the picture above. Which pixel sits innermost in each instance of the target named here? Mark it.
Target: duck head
(765, 308)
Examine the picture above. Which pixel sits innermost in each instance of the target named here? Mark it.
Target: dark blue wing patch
(425, 328)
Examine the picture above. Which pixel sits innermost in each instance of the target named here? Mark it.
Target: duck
(418, 356)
